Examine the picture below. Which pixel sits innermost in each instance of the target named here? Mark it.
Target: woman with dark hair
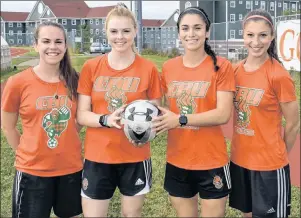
(199, 89)
(259, 154)
(48, 152)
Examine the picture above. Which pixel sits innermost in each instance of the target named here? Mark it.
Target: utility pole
(138, 12)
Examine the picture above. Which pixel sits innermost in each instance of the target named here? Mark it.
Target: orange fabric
(193, 90)
(109, 89)
(257, 143)
(50, 144)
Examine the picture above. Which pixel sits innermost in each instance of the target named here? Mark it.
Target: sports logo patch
(85, 184)
(218, 182)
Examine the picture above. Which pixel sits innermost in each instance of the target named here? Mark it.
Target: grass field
(157, 203)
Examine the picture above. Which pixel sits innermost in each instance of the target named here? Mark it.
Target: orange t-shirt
(257, 143)
(50, 144)
(191, 91)
(110, 89)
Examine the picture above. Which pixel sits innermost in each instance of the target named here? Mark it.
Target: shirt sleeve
(284, 87)
(154, 90)
(11, 98)
(85, 83)
(225, 77)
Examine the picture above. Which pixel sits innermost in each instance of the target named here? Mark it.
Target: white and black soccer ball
(137, 120)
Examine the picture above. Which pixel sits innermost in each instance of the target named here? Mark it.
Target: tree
(83, 32)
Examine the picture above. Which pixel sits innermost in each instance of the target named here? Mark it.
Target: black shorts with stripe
(264, 193)
(210, 184)
(100, 180)
(34, 196)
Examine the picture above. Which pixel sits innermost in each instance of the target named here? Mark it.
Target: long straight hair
(66, 70)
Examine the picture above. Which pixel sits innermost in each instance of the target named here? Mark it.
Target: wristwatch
(183, 120)
(103, 120)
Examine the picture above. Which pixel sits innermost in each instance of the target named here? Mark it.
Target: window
(240, 32)
(73, 22)
(19, 25)
(19, 41)
(168, 35)
(284, 6)
(232, 17)
(83, 22)
(104, 42)
(91, 40)
(174, 35)
(187, 5)
(19, 33)
(152, 36)
(174, 28)
(240, 16)
(91, 21)
(27, 24)
(11, 41)
(279, 4)
(272, 6)
(232, 4)
(232, 34)
(64, 21)
(240, 2)
(103, 21)
(97, 21)
(293, 7)
(73, 32)
(262, 5)
(97, 40)
(103, 32)
(11, 32)
(97, 31)
(248, 5)
(10, 24)
(91, 31)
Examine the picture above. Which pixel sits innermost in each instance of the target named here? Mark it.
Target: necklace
(55, 94)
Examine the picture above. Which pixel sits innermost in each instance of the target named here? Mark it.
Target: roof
(152, 22)
(66, 8)
(14, 16)
(99, 11)
(71, 8)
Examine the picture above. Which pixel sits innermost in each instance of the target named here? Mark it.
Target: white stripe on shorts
(227, 175)
(282, 193)
(147, 170)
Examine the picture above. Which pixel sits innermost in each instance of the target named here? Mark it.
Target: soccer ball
(137, 119)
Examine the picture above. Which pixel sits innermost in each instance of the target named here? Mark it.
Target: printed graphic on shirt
(49, 102)
(56, 121)
(185, 92)
(116, 88)
(245, 97)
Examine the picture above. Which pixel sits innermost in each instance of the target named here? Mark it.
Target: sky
(150, 9)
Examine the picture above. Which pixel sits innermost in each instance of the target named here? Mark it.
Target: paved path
(294, 156)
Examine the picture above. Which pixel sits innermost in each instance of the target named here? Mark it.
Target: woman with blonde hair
(106, 84)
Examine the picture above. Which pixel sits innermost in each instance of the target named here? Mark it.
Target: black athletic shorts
(100, 180)
(34, 196)
(264, 193)
(210, 184)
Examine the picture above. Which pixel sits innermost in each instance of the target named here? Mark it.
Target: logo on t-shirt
(116, 89)
(245, 97)
(54, 123)
(185, 92)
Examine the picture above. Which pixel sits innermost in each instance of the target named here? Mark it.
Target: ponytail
(212, 54)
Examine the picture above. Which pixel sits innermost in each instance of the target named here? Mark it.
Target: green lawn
(157, 203)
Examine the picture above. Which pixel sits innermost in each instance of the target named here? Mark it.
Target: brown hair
(265, 16)
(121, 10)
(66, 70)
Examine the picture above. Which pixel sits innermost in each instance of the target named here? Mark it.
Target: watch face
(183, 120)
